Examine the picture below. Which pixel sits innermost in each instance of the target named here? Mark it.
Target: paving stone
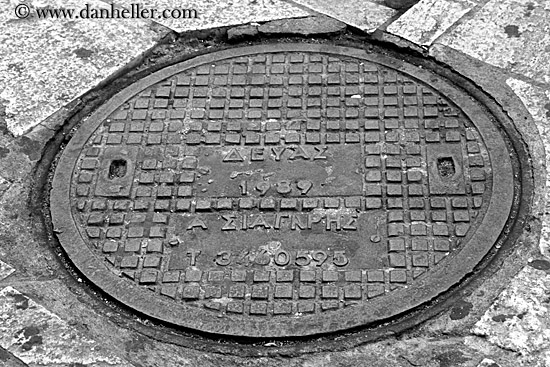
(5, 270)
(519, 318)
(305, 26)
(511, 34)
(365, 15)
(537, 101)
(212, 13)
(4, 184)
(40, 337)
(245, 31)
(9, 360)
(48, 62)
(428, 19)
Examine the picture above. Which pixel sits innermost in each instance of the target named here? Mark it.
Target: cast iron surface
(282, 190)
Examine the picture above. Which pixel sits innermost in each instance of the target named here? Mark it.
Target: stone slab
(243, 31)
(5, 270)
(212, 13)
(510, 34)
(4, 184)
(537, 101)
(9, 360)
(304, 26)
(519, 318)
(39, 337)
(365, 15)
(46, 63)
(428, 19)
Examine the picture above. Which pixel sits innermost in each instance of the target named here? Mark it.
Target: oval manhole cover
(282, 190)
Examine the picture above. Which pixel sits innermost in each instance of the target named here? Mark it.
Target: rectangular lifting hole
(446, 167)
(117, 169)
(445, 173)
(116, 172)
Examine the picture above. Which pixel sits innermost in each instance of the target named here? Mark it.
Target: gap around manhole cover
(282, 190)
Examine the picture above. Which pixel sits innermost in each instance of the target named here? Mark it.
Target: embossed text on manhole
(282, 190)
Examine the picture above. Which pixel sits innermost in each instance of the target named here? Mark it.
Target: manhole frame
(108, 282)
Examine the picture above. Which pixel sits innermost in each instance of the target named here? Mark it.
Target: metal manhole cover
(282, 190)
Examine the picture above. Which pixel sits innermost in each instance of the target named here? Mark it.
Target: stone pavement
(48, 66)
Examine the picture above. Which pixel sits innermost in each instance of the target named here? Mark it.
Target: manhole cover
(282, 190)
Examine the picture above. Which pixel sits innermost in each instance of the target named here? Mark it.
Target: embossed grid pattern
(284, 99)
